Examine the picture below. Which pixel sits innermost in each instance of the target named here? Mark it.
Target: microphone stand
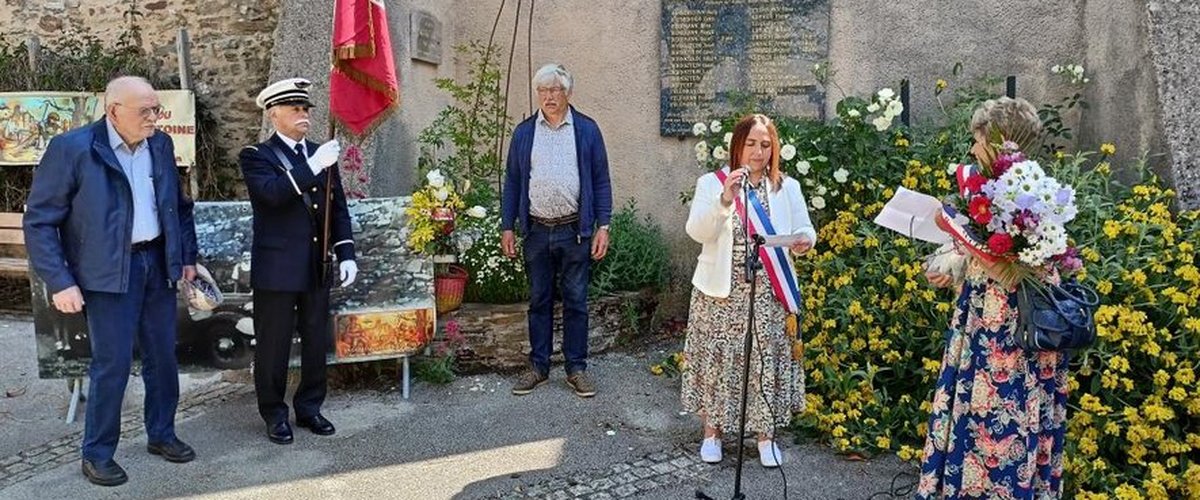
(751, 265)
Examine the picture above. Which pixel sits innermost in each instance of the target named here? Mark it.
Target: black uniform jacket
(289, 210)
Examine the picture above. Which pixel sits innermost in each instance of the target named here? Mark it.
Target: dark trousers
(558, 259)
(143, 316)
(277, 316)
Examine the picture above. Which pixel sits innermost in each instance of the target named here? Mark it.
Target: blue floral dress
(999, 412)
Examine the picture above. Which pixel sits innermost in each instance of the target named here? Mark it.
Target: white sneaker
(769, 453)
(710, 450)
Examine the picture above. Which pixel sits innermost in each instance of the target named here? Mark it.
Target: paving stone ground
(468, 439)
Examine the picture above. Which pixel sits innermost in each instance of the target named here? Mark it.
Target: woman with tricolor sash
(720, 304)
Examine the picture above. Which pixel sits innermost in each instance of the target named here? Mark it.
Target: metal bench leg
(76, 390)
(405, 381)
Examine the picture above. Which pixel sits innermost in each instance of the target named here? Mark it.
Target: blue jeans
(143, 316)
(557, 258)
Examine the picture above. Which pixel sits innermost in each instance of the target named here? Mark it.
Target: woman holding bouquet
(998, 411)
(718, 316)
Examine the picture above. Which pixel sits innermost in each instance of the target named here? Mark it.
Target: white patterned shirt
(553, 169)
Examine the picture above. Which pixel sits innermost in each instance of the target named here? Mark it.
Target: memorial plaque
(426, 36)
(712, 51)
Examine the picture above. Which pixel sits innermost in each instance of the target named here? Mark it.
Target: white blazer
(711, 224)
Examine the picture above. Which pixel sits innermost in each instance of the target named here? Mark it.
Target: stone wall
(302, 49)
(1141, 57)
(231, 46)
(497, 335)
(1123, 94)
(1138, 54)
(1174, 38)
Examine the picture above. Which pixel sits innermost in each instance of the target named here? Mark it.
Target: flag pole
(326, 258)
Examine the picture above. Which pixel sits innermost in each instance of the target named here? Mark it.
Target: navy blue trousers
(278, 316)
(558, 259)
(143, 318)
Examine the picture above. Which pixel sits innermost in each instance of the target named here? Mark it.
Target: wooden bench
(11, 235)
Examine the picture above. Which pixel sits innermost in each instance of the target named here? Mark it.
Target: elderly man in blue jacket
(109, 230)
(557, 192)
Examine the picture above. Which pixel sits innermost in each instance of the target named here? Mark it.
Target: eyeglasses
(550, 90)
(152, 111)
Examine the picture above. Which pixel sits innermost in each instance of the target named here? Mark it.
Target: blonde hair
(1011, 119)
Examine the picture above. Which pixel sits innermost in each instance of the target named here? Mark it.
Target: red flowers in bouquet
(1000, 243)
(980, 209)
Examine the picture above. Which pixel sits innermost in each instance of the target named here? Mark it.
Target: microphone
(745, 177)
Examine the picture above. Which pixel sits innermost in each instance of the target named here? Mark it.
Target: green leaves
(637, 256)
(465, 139)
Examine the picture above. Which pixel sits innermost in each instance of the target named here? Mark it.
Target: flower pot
(448, 288)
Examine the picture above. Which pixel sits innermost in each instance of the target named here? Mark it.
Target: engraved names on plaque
(716, 54)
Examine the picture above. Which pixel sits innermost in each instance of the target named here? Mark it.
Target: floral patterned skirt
(999, 412)
(713, 352)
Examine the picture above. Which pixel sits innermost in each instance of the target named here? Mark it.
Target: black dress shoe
(280, 432)
(317, 424)
(106, 473)
(174, 451)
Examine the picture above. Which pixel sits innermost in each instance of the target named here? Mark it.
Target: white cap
(289, 91)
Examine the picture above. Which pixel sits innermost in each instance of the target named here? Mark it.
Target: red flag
(362, 86)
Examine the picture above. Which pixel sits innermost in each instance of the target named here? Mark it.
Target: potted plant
(438, 228)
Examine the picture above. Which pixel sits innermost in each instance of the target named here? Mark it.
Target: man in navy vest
(110, 232)
(286, 177)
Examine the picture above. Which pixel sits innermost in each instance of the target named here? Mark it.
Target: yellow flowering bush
(874, 329)
(1132, 429)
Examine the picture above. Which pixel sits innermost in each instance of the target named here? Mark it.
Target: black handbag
(1055, 317)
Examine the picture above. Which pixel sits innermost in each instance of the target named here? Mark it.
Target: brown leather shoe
(582, 384)
(529, 381)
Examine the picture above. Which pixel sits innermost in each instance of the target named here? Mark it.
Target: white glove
(327, 154)
(349, 271)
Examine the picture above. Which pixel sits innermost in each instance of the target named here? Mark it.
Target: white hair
(554, 73)
(123, 85)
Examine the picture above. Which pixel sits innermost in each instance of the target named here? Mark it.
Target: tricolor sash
(777, 261)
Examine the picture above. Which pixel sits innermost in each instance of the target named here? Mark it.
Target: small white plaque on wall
(425, 37)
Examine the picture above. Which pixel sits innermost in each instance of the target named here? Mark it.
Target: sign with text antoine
(717, 55)
(28, 120)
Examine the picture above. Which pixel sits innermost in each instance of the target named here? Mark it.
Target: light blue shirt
(138, 168)
(553, 169)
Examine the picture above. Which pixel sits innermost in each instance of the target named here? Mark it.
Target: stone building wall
(1141, 56)
(302, 49)
(231, 46)
(612, 47)
(1174, 39)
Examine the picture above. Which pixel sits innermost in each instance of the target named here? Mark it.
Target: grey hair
(121, 85)
(554, 73)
